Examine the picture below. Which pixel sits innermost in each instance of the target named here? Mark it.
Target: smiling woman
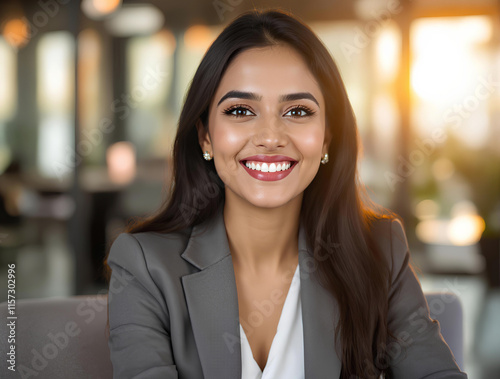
(285, 115)
(267, 261)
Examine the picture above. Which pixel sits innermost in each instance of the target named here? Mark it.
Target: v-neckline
(254, 362)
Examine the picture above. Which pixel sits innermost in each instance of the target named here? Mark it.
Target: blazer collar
(208, 242)
(212, 302)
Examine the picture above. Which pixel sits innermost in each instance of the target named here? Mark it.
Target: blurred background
(91, 91)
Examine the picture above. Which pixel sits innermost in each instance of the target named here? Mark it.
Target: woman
(268, 225)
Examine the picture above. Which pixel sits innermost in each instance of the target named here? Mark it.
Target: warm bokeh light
(388, 51)
(97, 9)
(463, 229)
(135, 19)
(443, 169)
(198, 37)
(444, 53)
(121, 162)
(433, 231)
(106, 6)
(427, 210)
(168, 40)
(466, 229)
(16, 32)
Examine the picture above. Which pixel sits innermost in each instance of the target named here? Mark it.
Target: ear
(203, 137)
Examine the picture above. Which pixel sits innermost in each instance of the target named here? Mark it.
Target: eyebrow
(254, 96)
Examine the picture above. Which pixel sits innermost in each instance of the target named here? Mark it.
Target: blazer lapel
(319, 318)
(212, 302)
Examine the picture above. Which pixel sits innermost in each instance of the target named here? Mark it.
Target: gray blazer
(173, 309)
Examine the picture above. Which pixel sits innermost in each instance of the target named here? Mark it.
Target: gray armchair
(446, 308)
(58, 338)
(67, 338)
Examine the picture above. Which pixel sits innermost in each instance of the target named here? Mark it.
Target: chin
(276, 201)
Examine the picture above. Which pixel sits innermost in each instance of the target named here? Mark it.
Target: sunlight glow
(444, 53)
(466, 229)
(388, 51)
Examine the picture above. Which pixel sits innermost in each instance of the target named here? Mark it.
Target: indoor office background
(91, 91)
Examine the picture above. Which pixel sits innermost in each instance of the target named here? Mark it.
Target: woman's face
(276, 112)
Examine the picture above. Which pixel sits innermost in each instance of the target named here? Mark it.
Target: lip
(268, 158)
(268, 176)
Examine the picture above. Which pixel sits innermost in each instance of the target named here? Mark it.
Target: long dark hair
(335, 207)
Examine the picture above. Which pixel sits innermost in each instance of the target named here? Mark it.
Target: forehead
(270, 71)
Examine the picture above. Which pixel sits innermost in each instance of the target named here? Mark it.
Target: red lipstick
(269, 176)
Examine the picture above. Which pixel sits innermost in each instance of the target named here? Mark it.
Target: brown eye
(300, 112)
(237, 111)
(297, 111)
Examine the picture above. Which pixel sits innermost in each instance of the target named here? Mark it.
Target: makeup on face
(268, 167)
(267, 127)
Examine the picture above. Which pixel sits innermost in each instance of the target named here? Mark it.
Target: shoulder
(149, 252)
(390, 236)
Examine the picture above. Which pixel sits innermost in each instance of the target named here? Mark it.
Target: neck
(262, 240)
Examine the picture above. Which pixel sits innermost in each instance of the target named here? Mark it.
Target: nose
(270, 133)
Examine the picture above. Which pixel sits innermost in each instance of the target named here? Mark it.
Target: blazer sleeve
(421, 351)
(139, 326)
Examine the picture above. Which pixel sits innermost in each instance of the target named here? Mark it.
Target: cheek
(310, 142)
(227, 138)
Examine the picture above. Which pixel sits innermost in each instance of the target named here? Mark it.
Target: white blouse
(286, 355)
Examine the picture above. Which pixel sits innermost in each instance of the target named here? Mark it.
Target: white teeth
(272, 167)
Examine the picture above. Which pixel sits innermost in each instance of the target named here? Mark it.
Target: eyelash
(309, 111)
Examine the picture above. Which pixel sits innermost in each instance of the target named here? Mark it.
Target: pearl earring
(207, 156)
(324, 160)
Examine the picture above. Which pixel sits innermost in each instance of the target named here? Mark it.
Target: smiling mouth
(269, 166)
